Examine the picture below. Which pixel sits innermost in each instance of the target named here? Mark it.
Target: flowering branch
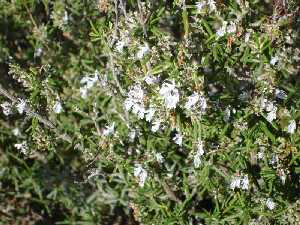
(30, 112)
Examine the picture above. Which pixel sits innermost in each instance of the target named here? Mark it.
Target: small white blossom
(235, 182)
(192, 100)
(22, 147)
(149, 79)
(274, 60)
(65, 18)
(21, 105)
(155, 126)
(38, 52)
(272, 114)
(6, 108)
(281, 94)
(170, 94)
(178, 139)
(211, 5)
(57, 108)
(135, 101)
(270, 204)
(132, 135)
(109, 129)
(141, 174)
(200, 5)
(240, 182)
(245, 183)
(88, 82)
(199, 154)
(142, 51)
(271, 109)
(291, 127)
(227, 114)
(282, 176)
(222, 30)
(231, 28)
(149, 114)
(159, 158)
(119, 46)
(247, 37)
(16, 131)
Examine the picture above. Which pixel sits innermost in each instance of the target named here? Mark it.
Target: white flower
(6, 108)
(240, 182)
(65, 18)
(271, 109)
(247, 37)
(192, 100)
(200, 5)
(231, 28)
(21, 106)
(57, 108)
(149, 114)
(203, 104)
(141, 174)
(155, 126)
(272, 114)
(274, 60)
(16, 131)
(199, 154)
(211, 5)
(88, 83)
(270, 204)
(222, 30)
(132, 135)
(135, 101)
(281, 94)
(235, 182)
(170, 94)
(38, 52)
(227, 114)
(245, 183)
(149, 79)
(142, 51)
(292, 126)
(109, 129)
(159, 158)
(119, 46)
(22, 147)
(178, 139)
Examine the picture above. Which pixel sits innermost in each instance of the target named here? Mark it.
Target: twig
(32, 113)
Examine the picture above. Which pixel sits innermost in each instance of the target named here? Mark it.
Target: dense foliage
(149, 112)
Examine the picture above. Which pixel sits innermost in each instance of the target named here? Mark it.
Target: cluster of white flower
(170, 94)
(88, 82)
(193, 100)
(239, 182)
(210, 4)
(270, 108)
(270, 204)
(22, 147)
(141, 174)
(135, 101)
(226, 29)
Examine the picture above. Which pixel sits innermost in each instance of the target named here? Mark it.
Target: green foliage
(149, 112)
